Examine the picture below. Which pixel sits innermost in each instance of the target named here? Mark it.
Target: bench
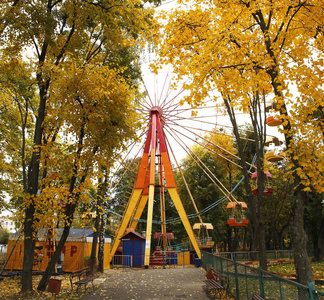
(256, 297)
(217, 282)
(84, 277)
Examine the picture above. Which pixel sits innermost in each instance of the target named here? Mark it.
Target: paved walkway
(147, 284)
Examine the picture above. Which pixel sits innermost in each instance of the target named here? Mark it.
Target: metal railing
(254, 255)
(245, 281)
(163, 258)
(122, 261)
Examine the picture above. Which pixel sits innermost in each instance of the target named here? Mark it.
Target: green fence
(245, 281)
(254, 255)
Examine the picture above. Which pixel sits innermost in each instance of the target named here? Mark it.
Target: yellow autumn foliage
(239, 48)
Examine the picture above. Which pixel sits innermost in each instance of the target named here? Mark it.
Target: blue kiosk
(133, 247)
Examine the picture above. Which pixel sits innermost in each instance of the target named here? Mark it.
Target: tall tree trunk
(102, 187)
(262, 246)
(281, 242)
(260, 230)
(244, 238)
(252, 239)
(101, 250)
(229, 239)
(95, 239)
(321, 241)
(304, 270)
(101, 219)
(255, 206)
(299, 239)
(235, 240)
(33, 173)
(29, 248)
(268, 241)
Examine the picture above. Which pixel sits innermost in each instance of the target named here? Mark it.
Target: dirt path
(147, 284)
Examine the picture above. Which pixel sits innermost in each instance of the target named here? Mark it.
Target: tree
(16, 120)
(122, 183)
(242, 47)
(314, 219)
(4, 236)
(277, 207)
(254, 104)
(84, 105)
(99, 231)
(100, 124)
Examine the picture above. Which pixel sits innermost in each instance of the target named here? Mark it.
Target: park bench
(84, 277)
(256, 297)
(217, 282)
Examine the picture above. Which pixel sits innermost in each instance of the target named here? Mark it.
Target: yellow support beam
(181, 211)
(149, 226)
(163, 219)
(150, 205)
(139, 211)
(127, 216)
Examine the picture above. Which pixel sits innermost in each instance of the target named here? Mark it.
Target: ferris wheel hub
(156, 109)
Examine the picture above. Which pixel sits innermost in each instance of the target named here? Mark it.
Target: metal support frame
(143, 192)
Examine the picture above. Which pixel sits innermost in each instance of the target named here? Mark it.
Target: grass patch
(287, 269)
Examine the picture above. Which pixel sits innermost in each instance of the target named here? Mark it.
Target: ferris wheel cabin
(237, 217)
(203, 239)
(273, 155)
(268, 190)
(272, 120)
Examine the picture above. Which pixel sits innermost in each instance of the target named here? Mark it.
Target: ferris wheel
(171, 130)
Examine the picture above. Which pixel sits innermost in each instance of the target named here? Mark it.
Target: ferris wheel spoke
(203, 167)
(144, 108)
(162, 102)
(195, 119)
(143, 111)
(148, 95)
(185, 182)
(197, 159)
(212, 150)
(189, 151)
(171, 109)
(121, 177)
(126, 167)
(169, 104)
(214, 144)
(210, 142)
(209, 131)
(181, 110)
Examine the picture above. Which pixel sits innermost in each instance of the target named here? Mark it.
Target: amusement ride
(170, 129)
(163, 116)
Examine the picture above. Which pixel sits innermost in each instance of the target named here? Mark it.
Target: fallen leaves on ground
(10, 289)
